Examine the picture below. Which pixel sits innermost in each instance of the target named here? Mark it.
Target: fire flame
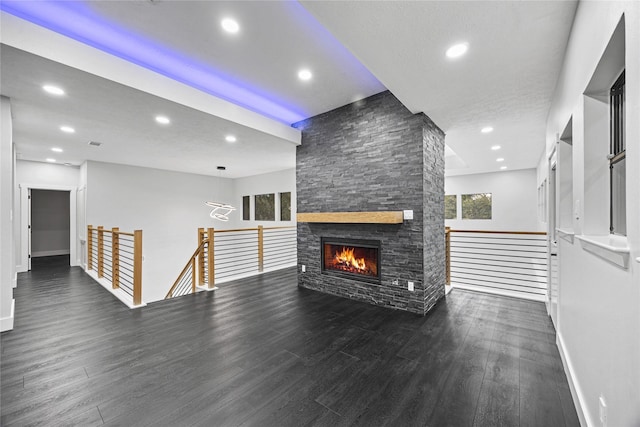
(346, 257)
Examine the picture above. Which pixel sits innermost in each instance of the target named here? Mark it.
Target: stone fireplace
(367, 158)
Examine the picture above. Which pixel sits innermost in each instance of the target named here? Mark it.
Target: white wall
(275, 182)
(167, 206)
(513, 199)
(50, 228)
(44, 176)
(599, 302)
(7, 264)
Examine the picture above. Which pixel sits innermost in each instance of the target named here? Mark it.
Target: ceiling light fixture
(304, 75)
(457, 50)
(163, 120)
(503, 167)
(499, 159)
(230, 138)
(53, 90)
(487, 129)
(230, 25)
(56, 150)
(67, 129)
(51, 160)
(81, 23)
(495, 147)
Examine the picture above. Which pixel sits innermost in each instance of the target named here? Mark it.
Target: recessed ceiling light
(499, 159)
(230, 138)
(68, 164)
(304, 75)
(457, 50)
(486, 129)
(503, 167)
(51, 160)
(56, 150)
(495, 147)
(230, 25)
(53, 90)
(163, 120)
(67, 129)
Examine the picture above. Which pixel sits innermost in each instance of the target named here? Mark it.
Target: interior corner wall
(433, 211)
(369, 156)
(598, 301)
(514, 200)
(7, 238)
(274, 182)
(167, 206)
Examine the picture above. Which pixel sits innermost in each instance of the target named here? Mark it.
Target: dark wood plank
(263, 352)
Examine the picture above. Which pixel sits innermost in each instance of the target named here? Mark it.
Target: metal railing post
(100, 251)
(137, 267)
(447, 245)
(211, 268)
(115, 258)
(201, 260)
(260, 248)
(89, 247)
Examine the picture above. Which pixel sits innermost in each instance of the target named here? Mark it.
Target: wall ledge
(566, 234)
(611, 248)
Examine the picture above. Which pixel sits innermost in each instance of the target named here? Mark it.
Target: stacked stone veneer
(375, 155)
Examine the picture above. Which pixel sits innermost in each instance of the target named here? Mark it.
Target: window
(265, 206)
(617, 158)
(451, 207)
(245, 208)
(542, 201)
(285, 206)
(476, 206)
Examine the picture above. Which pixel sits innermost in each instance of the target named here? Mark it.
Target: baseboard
(6, 323)
(574, 385)
(504, 293)
(118, 293)
(50, 253)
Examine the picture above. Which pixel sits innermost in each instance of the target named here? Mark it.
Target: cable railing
(225, 255)
(114, 259)
(512, 263)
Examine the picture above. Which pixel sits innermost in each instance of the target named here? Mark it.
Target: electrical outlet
(394, 281)
(304, 268)
(603, 411)
(410, 286)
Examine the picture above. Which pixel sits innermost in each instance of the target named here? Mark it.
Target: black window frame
(617, 143)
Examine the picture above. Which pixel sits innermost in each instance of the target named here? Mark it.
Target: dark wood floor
(261, 352)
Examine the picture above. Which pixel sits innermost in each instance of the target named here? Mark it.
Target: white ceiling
(505, 80)
(123, 120)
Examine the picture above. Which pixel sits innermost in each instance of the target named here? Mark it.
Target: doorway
(552, 306)
(49, 225)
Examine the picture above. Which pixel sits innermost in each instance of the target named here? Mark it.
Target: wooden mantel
(389, 217)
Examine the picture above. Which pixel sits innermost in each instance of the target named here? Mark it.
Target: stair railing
(234, 254)
(115, 256)
(199, 269)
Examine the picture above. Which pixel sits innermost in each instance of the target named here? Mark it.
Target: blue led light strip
(75, 20)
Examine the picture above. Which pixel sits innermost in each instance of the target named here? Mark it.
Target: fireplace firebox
(353, 259)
